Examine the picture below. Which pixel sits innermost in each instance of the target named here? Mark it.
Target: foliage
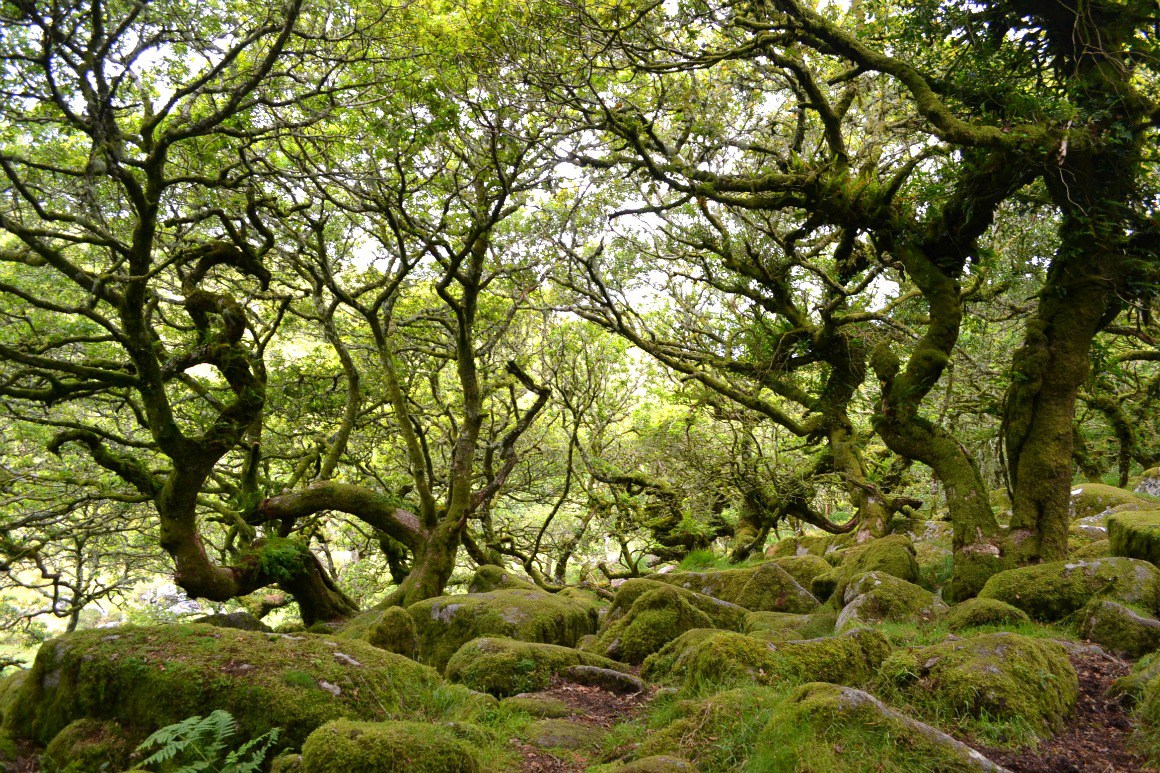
(200, 744)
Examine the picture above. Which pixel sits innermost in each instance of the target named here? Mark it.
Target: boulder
(722, 658)
(655, 618)
(90, 746)
(242, 621)
(893, 555)
(542, 708)
(609, 679)
(446, 623)
(395, 631)
(977, 612)
(1118, 628)
(816, 545)
(490, 577)
(657, 763)
(831, 727)
(723, 614)
(1093, 527)
(1135, 535)
(1000, 677)
(764, 588)
(504, 667)
(1054, 590)
(563, 734)
(804, 568)
(708, 732)
(1149, 483)
(1101, 548)
(1097, 499)
(150, 677)
(877, 597)
(387, 747)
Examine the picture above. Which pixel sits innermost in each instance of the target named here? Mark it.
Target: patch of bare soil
(590, 706)
(1098, 735)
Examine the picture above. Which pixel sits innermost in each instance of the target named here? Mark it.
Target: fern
(197, 745)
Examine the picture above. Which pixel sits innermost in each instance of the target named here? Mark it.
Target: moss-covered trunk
(434, 562)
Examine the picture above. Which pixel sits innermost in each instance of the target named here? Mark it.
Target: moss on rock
(716, 658)
(490, 577)
(9, 688)
(386, 747)
(828, 727)
(976, 612)
(563, 734)
(90, 746)
(715, 733)
(1054, 590)
(766, 587)
(877, 597)
(656, 618)
(815, 545)
(804, 568)
(1098, 499)
(543, 708)
(395, 631)
(151, 677)
(723, 614)
(446, 623)
(999, 677)
(657, 763)
(893, 555)
(1101, 548)
(1118, 628)
(505, 667)
(1135, 535)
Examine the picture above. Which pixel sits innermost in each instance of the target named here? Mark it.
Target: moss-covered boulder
(10, 685)
(977, 612)
(395, 631)
(697, 728)
(1098, 499)
(446, 623)
(893, 555)
(830, 727)
(243, 621)
(1149, 483)
(505, 667)
(147, 678)
(387, 747)
(1118, 628)
(1135, 535)
(90, 746)
(656, 618)
(1054, 590)
(656, 763)
(1088, 551)
(1002, 677)
(723, 614)
(877, 597)
(564, 734)
(804, 568)
(490, 577)
(539, 707)
(715, 658)
(816, 545)
(764, 588)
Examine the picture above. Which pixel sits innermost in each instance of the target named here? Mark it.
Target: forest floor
(1097, 738)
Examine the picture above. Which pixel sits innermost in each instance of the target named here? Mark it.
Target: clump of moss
(1008, 680)
(544, 708)
(1097, 499)
(90, 745)
(563, 734)
(1101, 548)
(386, 747)
(395, 631)
(723, 614)
(504, 667)
(828, 727)
(282, 558)
(151, 677)
(893, 555)
(656, 763)
(804, 568)
(490, 577)
(976, 612)
(656, 618)
(876, 597)
(1055, 590)
(822, 545)
(701, 660)
(9, 688)
(1135, 535)
(765, 587)
(446, 623)
(1119, 628)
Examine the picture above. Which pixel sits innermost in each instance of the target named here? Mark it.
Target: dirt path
(590, 706)
(1098, 735)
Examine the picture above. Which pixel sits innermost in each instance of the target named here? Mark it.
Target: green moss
(563, 734)
(152, 677)
(1131, 688)
(1100, 548)
(876, 597)
(722, 613)
(504, 667)
(386, 747)
(446, 623)
(1143, 685)
(656, 618)
(829, 728)
(1118, 628)
(282, 558)
(9, 688)
(490, 577)
(90, 746)
(656, 763)
(804, 568)
(1096, 499)
(1135, 535)
(893, 555)
(395, 631)
(976, 612)
(700, 660)
(999, 684)
(766, 587)
(544, 708)
(822, 545)
(1055, 590)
